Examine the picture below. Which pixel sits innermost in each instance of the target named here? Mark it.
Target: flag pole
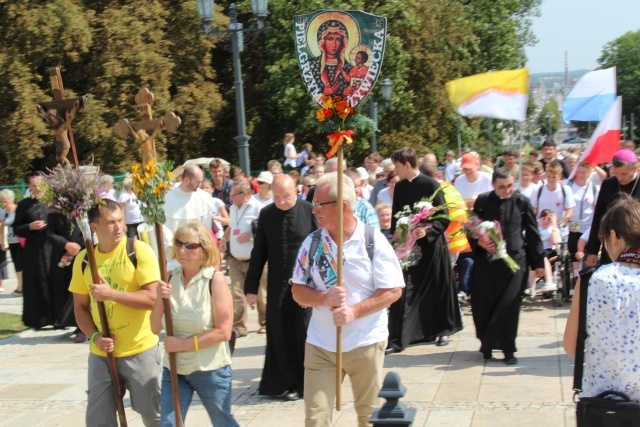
(339, 274)
(459, 136)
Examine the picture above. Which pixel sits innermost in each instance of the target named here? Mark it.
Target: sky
(581, 27)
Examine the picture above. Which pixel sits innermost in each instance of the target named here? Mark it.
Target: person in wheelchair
(551, 239)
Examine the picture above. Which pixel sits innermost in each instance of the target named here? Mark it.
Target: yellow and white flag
(498, 94)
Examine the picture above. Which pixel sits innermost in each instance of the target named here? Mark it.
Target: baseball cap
(266, 177)
(469, 160)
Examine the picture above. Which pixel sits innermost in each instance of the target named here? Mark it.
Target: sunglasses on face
(190, 246)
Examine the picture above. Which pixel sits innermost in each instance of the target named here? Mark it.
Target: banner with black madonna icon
(340, 53)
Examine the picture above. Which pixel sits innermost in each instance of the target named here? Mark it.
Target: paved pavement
(43, 379)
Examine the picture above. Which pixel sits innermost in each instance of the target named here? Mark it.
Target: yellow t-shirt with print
(130, 326)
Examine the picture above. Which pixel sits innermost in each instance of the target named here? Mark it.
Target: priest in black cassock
(625, 180)
(48, 237)
(497, 291)
(428, 308)
(282, 227)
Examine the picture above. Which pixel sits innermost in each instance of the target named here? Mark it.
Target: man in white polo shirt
(372, 280)
(244, 211)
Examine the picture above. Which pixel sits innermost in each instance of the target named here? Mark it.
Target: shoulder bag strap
(578, 370)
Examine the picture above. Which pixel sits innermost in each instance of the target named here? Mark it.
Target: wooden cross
(59, 113)
(146, 130)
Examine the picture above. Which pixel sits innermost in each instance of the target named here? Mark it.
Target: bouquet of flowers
(151, 184)
(341, 122)
(478, 229)
(410, 219)
(72, 193)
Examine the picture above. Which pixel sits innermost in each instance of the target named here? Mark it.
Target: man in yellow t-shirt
(129, 293)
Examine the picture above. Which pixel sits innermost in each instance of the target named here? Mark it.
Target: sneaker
(462, 296)
(549, 287)
(1, 289)
(528, 292)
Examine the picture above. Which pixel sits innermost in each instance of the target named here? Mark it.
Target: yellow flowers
(332, 107)
(151, 183)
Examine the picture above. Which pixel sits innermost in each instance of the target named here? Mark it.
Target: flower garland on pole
(73, 192)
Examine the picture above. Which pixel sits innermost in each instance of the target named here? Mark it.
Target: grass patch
(10, 325)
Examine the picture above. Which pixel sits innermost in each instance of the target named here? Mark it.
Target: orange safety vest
(458, 216)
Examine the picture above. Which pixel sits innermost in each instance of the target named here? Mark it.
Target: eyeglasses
(239, 192)
(190, 246)
(318, 204)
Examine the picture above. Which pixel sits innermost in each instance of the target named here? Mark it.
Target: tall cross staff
(51, 110)
(339, 274)
(145, 132)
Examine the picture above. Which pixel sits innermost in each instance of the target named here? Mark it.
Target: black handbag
(610, 408)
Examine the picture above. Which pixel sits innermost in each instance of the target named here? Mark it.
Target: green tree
(549, 118)
(623, 53)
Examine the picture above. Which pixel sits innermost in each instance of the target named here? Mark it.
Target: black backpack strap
(369, 240)
(578, 370)
(131, 253)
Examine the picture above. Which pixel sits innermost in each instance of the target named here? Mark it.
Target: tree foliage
(549, 118)
(108, 49)
(624, 54)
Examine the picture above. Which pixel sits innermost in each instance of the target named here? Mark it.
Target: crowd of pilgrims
(537, 202)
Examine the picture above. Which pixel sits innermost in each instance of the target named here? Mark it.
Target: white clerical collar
(416, 175)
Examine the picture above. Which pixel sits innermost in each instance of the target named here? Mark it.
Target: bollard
(393, 413)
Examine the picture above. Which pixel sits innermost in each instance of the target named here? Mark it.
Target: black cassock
(428, 307)
(278, 239)
(45, 290)
(497, 291)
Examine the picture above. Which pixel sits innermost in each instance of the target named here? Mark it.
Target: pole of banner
(168, 322)
(58, 93)
(520, 159)
(459, 136)
(115, 381)
(339, 274)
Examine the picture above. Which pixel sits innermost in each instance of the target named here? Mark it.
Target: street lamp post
(237, 31)
(386, 86)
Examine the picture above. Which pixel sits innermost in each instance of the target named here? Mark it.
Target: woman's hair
(289, 138)
(544, 213)
(210, 254)
(10, 195)
(127, 183)
(623, 217)
(382, 206)
(390, 176)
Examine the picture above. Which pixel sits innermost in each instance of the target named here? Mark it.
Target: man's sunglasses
(190, 246)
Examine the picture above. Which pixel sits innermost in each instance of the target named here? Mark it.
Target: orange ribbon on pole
(336, 140)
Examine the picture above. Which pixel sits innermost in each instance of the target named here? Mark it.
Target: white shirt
(217, 204)
(545, 237)
(529, 191)
(132, 213)
(555, 201)
(240, 222)
(361, 278)
(384, 197)
(263, 202)
(290, 150)
(181, 207)
(470, 190)
(585, 199)
(451, 169)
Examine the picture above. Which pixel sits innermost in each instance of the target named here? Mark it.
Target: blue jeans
(466, 268)
(213, 388)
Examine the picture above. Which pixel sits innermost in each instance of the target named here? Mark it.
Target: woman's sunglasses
(189, 246)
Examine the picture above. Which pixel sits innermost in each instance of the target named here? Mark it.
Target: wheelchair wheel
(567, 277)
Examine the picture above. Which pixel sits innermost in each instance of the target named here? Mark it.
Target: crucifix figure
(59, 113)
(146, 130)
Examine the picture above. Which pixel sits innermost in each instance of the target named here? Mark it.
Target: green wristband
(93, 336)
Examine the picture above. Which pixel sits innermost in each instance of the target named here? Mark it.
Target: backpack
(131, 253)
(564, 195)
(315, 242)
